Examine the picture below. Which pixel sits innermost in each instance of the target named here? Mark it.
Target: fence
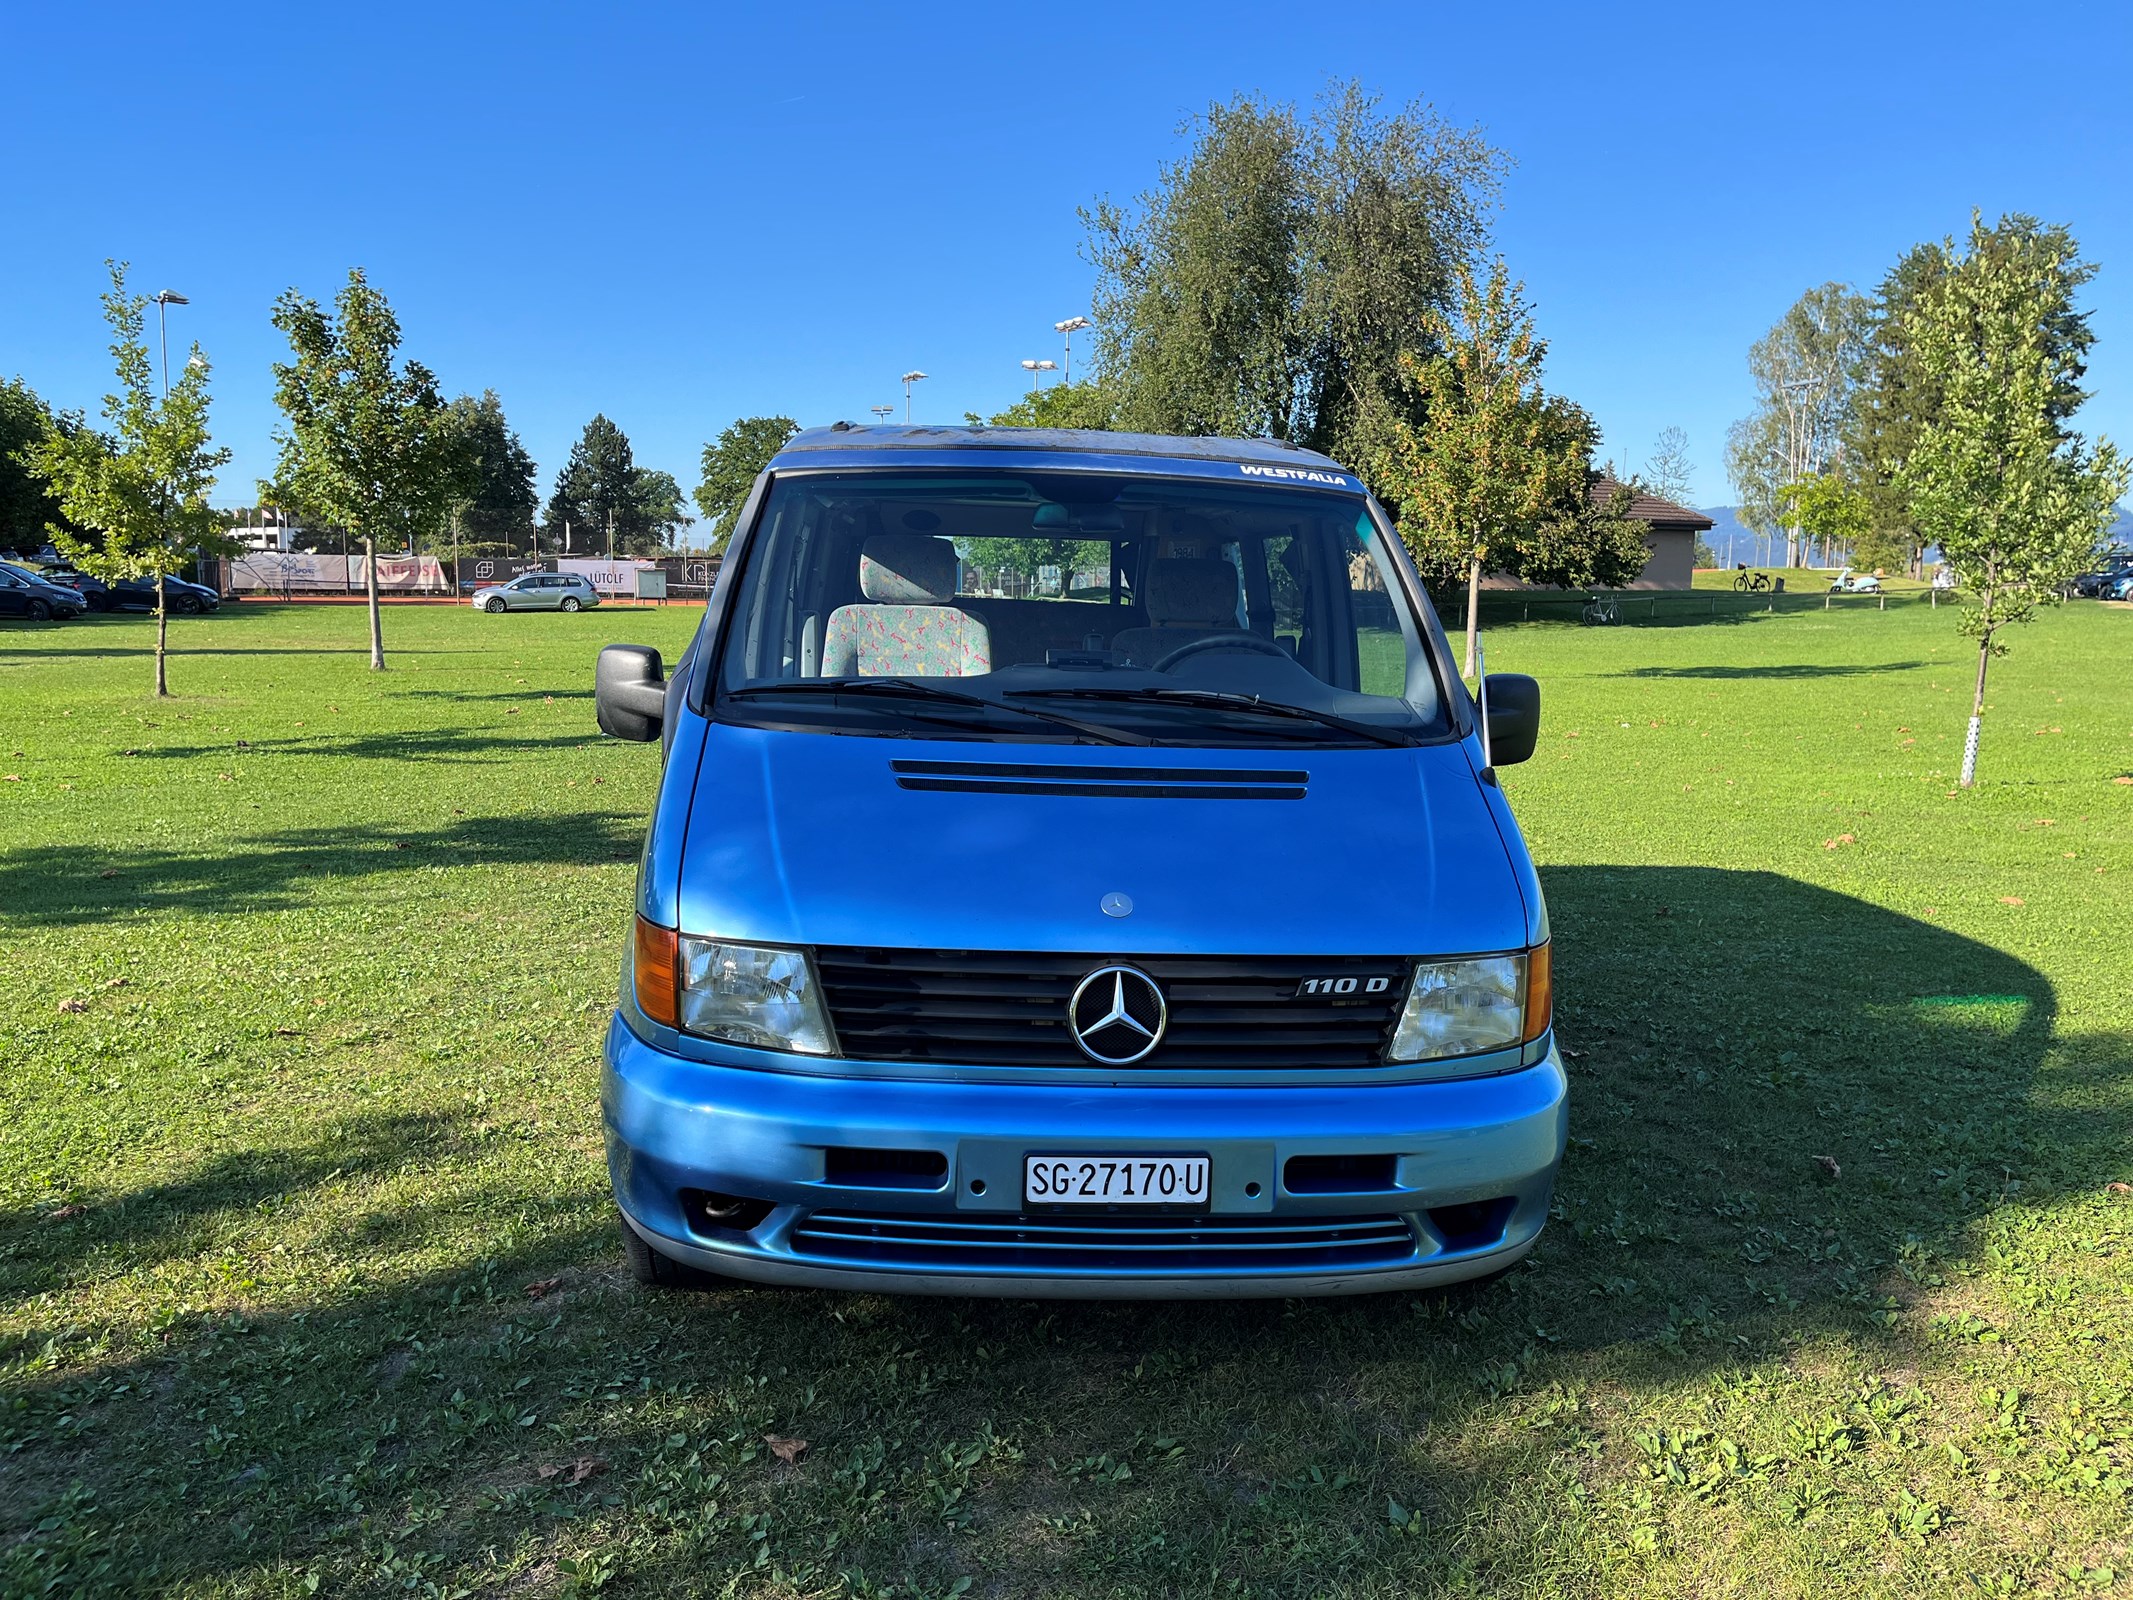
(1499, 606)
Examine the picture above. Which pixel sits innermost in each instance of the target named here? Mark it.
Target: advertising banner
(289, 572)
(403, 574)
(481, 571)
(608, 577)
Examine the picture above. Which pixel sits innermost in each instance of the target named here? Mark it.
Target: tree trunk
(1473, 611)
(1977, 711)
(162, 639)
(370, 595)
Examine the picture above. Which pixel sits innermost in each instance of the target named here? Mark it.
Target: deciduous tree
(1804, 370)
(731, 464)
(138, 495)
(28, 506)
(1895, 397)
(1492, 458)
(1271, 280)
(2014, 497)
(366, 441)
(1668, 471)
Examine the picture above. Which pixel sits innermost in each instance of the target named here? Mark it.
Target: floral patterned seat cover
(907, 627)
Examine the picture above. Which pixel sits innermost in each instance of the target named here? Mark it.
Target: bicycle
(1751, 582)
(1598, 613)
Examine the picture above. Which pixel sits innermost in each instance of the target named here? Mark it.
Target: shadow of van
(1726, 1031)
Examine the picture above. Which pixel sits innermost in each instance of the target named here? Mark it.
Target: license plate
(1092, 1180)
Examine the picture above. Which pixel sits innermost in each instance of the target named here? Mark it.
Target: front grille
(992, 1008)
(1127, 1246)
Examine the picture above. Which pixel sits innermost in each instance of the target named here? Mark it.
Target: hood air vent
(1105, 783)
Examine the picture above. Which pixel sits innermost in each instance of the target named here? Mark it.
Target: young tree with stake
(2015, 499)
(368, 443)
(140, 491)
(1493, 456)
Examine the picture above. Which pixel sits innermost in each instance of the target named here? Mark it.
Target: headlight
(747, 994)
(1462, 1008)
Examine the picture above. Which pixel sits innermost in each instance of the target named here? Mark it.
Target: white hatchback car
(537, 591)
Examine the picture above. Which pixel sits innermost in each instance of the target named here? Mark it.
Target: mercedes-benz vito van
(1079, 870)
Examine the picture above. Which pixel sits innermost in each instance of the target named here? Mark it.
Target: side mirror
(630, 692)
(1514, 710)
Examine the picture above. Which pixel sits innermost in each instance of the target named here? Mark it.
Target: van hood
(815, 839)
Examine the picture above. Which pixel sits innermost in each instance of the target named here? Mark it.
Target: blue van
(1079, 870)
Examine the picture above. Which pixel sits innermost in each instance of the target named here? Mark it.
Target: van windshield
(1068, 606)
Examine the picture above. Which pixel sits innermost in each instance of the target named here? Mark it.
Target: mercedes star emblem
(1117, 1015)
(1115, 904)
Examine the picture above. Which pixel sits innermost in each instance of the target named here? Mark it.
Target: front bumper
(1483, 1151)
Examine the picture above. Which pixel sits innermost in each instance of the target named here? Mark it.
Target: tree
(1804, 370)
(1668, 471)
(1894, 398)
(138, 494)
(660, 508)
(1087, 404)
(366, 443)
(1493, 456)
(1583, 542)
(731, 464)
(605, 499)
(1270, 282)
(1829, 507)
(501, 498)
(2015, 498)
(29, 507)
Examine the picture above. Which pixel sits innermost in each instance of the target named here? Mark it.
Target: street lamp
(882, 413)
(911, 377)
(1040, 366)
(1067, 330)
(166, 297)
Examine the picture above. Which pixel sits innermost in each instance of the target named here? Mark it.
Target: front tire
(40, 611)
(188, 605)
(656, 1271)
(493, 607)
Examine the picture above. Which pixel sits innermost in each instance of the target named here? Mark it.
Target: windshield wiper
(909, 689)
(1217, 700)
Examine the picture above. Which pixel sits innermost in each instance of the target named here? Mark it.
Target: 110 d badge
(1339, 988)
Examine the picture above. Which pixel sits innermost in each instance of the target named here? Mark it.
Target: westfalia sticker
(1295, 475)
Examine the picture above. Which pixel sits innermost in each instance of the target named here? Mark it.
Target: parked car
(182, 595)
(537, 591)
(2104, 582)
(24, 593)
(1278, 1023)
(2122, 589)
(1850, 582)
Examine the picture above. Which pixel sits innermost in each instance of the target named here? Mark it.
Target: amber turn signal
(1540, 991)
(658, 969)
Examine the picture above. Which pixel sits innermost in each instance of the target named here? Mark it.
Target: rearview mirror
(1514, 711)
(630, 692)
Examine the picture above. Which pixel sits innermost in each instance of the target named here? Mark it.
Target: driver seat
(1186, 599)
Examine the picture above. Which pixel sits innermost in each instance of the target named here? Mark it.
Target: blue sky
(680, 215)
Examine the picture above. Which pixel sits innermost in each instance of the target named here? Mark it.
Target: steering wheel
(1251, 643)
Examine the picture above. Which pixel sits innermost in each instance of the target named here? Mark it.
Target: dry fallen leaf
(2010, 899)
(542, 1287)
(109, 872)
(72, 1006)
(788, 1451)
(2122, 780)
(2118, 1188)
(114, 983)
(288, 1033)
(10, 777)
(70, 1212)
(1829, 1165)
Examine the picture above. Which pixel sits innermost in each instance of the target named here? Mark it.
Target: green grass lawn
(308, 1277)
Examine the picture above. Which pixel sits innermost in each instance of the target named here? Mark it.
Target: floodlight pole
(1067, 330)
(911, 377)
(165, 298)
